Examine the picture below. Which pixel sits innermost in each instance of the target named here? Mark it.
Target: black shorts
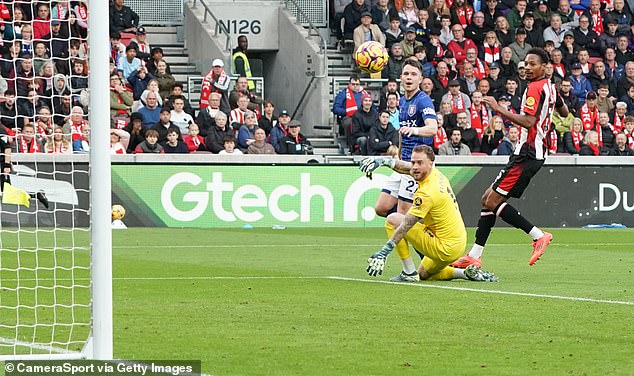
(515, 176)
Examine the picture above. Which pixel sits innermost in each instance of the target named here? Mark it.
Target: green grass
(258, 302)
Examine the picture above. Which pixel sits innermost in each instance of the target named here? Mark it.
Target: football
(371, 57)
(118, 212)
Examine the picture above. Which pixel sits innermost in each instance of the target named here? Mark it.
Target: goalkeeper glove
(377, 260)
(368, 165)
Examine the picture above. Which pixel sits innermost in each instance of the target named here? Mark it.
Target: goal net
(55, 267)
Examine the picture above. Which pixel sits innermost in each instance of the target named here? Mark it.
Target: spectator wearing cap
(459, 101)
(122, 18)
(141, 43)
(295, 142)
(383, 13)
(476, 29)
(522, 79)
(136, 130)
(216, 81)
(459, 44)
(581, 86)
(280, 130)
(392, 70)
(586, 38)
(394, 34)
(568, 48)
(352, 16)
(410, 42)
(408, 13)
(534, 36)
(362, 121)
(589, 114)
(435, 49)
(496, 82)
(515, 15)
(367, 31)
(555, 32)
(129, 63)
(519, 48)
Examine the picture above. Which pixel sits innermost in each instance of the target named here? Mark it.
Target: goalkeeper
(5, 163)
(433, 224)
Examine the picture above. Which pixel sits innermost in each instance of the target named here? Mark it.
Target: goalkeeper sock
(459, 273)
(402, 249)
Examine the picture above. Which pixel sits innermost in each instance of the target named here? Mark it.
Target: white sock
(459, 273)
(476, 251)
(408, 266)
(536, 233)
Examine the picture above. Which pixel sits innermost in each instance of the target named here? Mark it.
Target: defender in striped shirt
(538, 102)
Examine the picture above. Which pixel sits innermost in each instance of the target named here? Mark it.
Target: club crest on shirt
(418, 201)
(411, 110)
(530, 102)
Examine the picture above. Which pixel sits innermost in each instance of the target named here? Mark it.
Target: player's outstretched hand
(377, 261)
(369, 164)
(376, 264)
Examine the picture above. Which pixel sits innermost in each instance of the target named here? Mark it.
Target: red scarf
(617, 124)
(559, 68)
(457, 104)
(448, 3)
(42, 130)
(597, 21)
(440, 137)
(630, 138)
(83, 12)
(491, 54)
(29, 148)
(479, 70)
(119, 100)
(595, 150)
(576, 138)
(479, 118)
(351, 104)
(464, 14)
(439, 52)
(76, 130)
(62, 12)
(590, 120)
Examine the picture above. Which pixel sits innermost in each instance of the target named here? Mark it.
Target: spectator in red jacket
(42, 21)
(460, 44)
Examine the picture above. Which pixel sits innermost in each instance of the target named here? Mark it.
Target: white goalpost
(56, 262)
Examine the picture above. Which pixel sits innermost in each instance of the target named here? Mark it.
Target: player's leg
(408, 187)
(386, 204)
(514, 186)
(402, 249)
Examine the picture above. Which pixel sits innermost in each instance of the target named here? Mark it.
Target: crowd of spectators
(469, 50)
(44, 94)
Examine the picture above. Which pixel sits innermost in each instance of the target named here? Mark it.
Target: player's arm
(561, 107)
(408, 222)
(525, 121)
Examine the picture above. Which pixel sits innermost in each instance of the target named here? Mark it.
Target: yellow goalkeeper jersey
(435, 202)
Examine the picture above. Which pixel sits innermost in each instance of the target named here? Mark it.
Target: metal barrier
(220, 27)
(165, 12)
(194, 84)
(309, 11)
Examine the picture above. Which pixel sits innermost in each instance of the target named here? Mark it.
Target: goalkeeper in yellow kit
(433, 225)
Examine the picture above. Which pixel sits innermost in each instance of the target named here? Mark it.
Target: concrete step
(188, 69)
(174, 51)
(160, 29)
(326, 151)
(180, 77)
(162, 39)
(176, 60)
(322, 142)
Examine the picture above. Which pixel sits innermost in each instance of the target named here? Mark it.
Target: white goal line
(323, 245)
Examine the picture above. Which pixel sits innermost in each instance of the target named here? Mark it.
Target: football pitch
(298, 302)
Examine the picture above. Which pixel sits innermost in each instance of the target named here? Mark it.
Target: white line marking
(37, 346)
(377, 244)
(424, 284)
(484, 291)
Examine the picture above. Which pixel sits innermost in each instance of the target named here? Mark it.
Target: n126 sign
(240, 26)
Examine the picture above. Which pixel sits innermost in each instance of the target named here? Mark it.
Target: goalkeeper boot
(539, 246)
(41, 197)
(467, 260)
(404, 277)
(474, 273)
